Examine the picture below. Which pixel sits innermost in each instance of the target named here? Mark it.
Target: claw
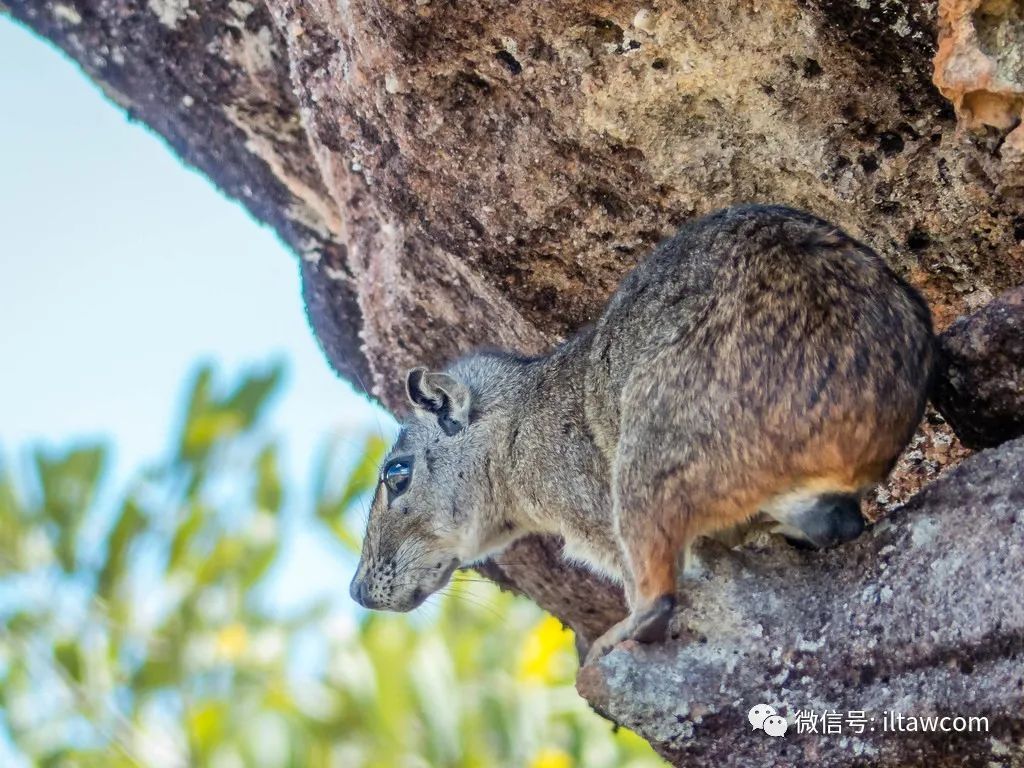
(612, 637)
(649, 625)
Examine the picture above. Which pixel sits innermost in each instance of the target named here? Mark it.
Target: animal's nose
(361, 594)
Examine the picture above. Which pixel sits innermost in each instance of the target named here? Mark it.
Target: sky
(120, 269)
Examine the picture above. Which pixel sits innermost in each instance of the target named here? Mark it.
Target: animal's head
(434, 508)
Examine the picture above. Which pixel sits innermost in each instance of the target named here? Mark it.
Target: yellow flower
(549, 757)
(542, 655)
(231, 641)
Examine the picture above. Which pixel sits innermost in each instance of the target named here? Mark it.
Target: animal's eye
(397, 475)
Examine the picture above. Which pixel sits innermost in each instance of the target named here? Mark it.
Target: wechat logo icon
(764, 717)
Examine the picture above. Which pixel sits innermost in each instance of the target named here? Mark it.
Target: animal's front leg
(651, 584)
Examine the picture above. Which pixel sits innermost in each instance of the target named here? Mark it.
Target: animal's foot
(651, 625)
(648, 624)
(838, 520)
(832, 519)
(847, 523)
(612, 637)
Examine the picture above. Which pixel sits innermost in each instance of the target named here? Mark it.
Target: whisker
(471, 600)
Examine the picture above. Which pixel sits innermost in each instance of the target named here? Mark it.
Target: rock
(979, 384)
(922, 616)
(979, 66)
(457, 174)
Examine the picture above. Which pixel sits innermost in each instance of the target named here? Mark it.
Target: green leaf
(60, 758)
(195, 440)
(253, 394)
(209, 420)
(130, 523)
(69, 657)
(362, 479)
(156, 672)
(257, 564)
(268, 481)
(12, 518)
(200, 393)
(10, 506)
(69, 483)
(364, 475)
(184, 536)
(204, 430)
(254, 391)
(227, 553)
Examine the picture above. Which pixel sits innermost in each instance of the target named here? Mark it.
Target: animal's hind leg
(822, 520)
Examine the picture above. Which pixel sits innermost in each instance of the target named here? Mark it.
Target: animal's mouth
(422, 593)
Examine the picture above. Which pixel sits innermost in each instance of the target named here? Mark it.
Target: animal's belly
(603, 561)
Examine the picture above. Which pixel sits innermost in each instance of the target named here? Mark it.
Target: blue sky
(120, 268)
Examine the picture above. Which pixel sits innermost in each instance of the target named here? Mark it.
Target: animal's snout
(361, 593)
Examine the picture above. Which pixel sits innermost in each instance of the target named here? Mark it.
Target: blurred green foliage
(132, 629)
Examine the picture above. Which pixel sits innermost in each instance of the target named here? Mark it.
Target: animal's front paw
(648, 624)
(612, 637)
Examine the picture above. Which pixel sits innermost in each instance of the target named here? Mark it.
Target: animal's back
(762, 317)
(786, 362)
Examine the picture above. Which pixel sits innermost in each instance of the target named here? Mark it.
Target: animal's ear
(442, 395)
